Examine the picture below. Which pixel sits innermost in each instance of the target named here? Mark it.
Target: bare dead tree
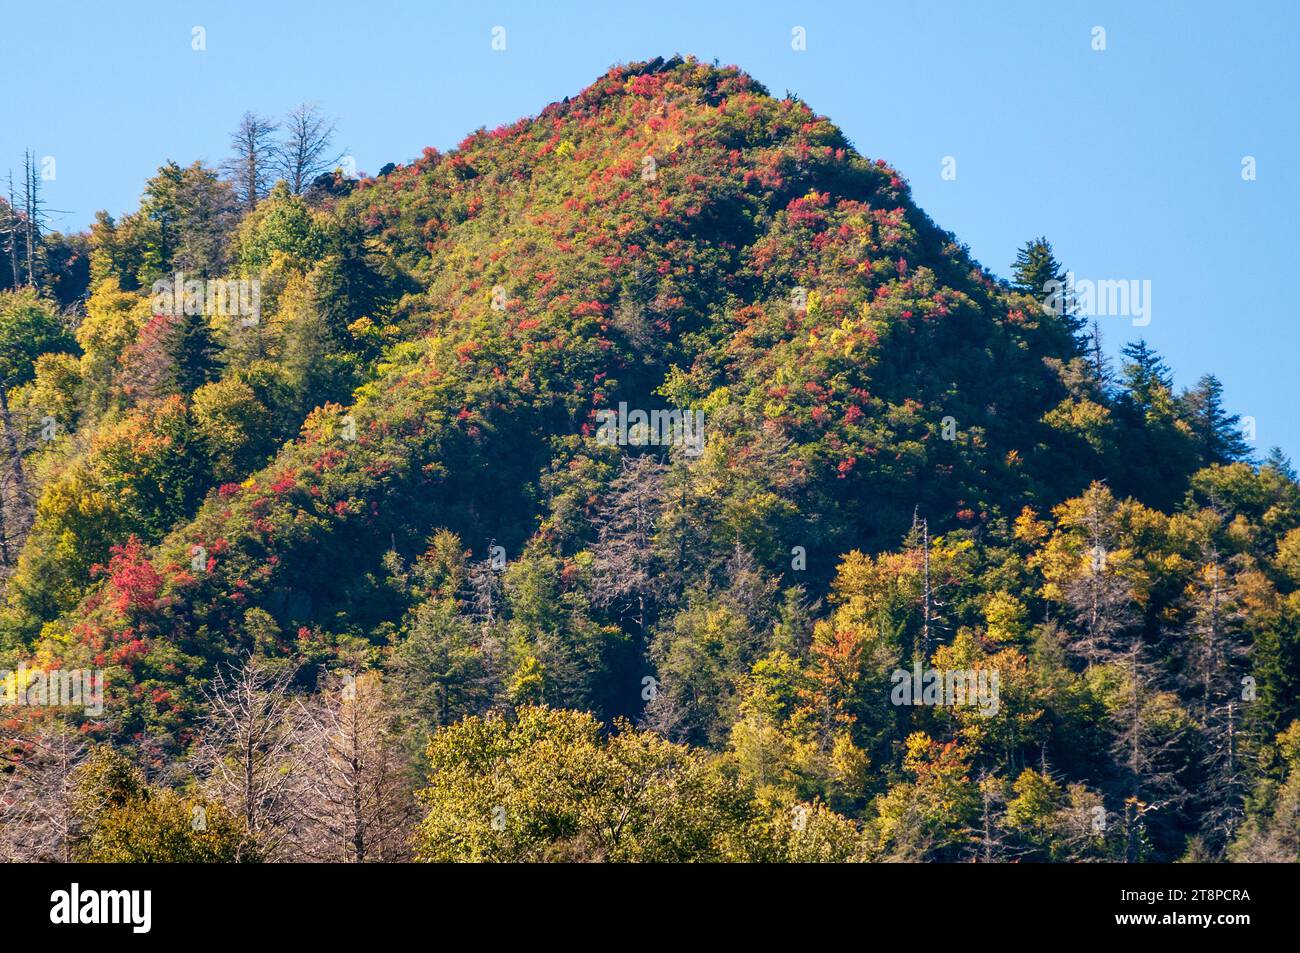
(485, 592)
(34, 221)
(752, 593)
(248, 752)
(1215, 656)
(39, 816)
(1143, 714)
(357, 792)
(1143, 743)
(305, 153)
(1215, 649)
(623, 559)
(920, 539)
(13, 221)
(664, 715)
(1101, 600)
(251, 167)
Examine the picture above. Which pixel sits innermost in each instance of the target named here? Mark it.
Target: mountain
(398, 464)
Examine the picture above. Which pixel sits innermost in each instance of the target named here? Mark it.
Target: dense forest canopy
(336, 489)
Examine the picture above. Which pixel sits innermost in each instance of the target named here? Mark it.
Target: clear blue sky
(1129, 160)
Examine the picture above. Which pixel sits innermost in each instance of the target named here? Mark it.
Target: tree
(28, 328)
(1037, 273)
(932, 816)
(236, 428)
(184, 222)
(1280, 463)
(1100, 599)
(1216, 653)
(127, 820)
(355, 792)
(919, 540)
(1144, 375)
(281, 226)
(248, 750)
(1149, 729)
(623, 557)
(38, 817)
(1035, 265)
(1157, 449)
(304, 153)
(995, 844)
(14, 228)
(33, 217)
(1271, 833)
(251, 166)
(1216, 434)
(174, 354)
(545, 785)
(1102, 375)
(187, 215)
(439, 670)
(698, 654)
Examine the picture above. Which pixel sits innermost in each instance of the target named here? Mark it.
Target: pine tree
(1032, 272)
(1280, 463)
(1144, 375)
(1034, 267)
(1217, 434)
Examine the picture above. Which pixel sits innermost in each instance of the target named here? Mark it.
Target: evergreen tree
(1280, 463)
(1217, 434)
(1035, 267)
(1144, 375)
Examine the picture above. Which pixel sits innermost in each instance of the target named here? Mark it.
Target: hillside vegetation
(367, 539)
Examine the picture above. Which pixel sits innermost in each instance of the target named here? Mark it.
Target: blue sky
(1128, 159)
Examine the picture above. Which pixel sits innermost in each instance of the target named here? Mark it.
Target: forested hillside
(365, 572)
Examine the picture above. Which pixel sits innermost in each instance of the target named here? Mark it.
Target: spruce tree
(1217, 434)
(1144, 375)
(1280, 463)
(1035, 266)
